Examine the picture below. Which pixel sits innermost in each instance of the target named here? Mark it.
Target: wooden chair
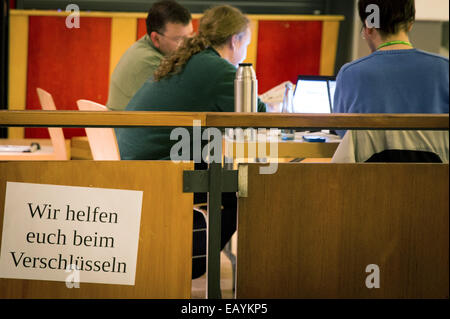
(102, 141)
(56, 133)
(57, 151)
(393, 146)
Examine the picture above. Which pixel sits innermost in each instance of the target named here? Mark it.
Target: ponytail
(173, 63)
(217, 26)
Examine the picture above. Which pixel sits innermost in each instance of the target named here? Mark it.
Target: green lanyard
(393, 43)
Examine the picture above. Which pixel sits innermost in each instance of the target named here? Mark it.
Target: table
(285, 149)
(46, 151)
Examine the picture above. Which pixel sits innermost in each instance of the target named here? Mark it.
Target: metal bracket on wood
(198, 181)
(213, 181)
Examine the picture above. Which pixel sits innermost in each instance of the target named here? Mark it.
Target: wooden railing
(228, 120)
(223, 120)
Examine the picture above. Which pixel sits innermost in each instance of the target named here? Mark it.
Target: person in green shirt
(197, 77)
(168, 24)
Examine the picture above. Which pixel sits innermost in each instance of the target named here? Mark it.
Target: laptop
(314, 94)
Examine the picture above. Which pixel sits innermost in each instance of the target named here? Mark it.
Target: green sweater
(206, 84)
(135, 66)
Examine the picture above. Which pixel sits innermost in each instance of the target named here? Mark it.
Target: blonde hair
(217, 26)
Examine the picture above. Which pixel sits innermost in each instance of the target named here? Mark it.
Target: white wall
(427, 30)
(432, 10)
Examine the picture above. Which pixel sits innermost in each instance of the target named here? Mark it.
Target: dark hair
(166, 11)
(395, 15)
(217, 26)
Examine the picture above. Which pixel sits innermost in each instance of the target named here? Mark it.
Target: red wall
(73, 64)
(285, 50)
(141, 28)
(70, 64)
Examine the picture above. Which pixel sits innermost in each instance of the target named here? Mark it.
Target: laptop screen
(332, 88)
(314, 94)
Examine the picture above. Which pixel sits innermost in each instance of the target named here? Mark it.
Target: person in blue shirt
(395, 77)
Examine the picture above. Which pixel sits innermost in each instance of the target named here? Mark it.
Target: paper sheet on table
(275, 94)
(19, 148)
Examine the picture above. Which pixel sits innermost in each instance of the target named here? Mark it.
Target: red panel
(142, 27)
(70, 64)
(285, 50)
(195, 24)
(12, 4)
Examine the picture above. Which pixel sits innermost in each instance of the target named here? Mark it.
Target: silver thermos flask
(245, 89)
(245, 99)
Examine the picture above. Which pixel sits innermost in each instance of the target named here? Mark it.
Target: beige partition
(163, 268)
(312, 230)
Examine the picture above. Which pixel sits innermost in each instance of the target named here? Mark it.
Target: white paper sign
(48, 228)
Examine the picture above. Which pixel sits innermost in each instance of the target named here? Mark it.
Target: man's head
(168, 24)
(395, 15)
(395, 19)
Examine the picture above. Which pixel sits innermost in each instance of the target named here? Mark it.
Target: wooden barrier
(164, 259)
(329, 121)
(80, 148)
(310, 231)
(323, 224)
(223, 120)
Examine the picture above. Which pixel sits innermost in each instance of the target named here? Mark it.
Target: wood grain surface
(310, 231)
(223, 119)
(164, 263)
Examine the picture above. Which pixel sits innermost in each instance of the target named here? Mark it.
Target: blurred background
(291, 37)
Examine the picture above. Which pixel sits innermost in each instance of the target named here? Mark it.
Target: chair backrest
(102, 141)
(419, 146)
(56, 133)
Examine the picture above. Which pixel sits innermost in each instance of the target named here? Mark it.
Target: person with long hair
(197, 77)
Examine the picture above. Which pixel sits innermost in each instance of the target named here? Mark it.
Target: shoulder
(433, 63)
(354, 70)
(141, 53)
(209, 60)
(432, 56)
(374, 59)
(142, 50)
(209, 68)
(139, 61)
(380, 60)
(361, 62)
(139, 99)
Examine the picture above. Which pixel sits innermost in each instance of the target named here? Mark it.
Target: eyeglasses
(175, 39)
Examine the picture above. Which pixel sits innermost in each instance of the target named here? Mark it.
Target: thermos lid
(245, 71)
